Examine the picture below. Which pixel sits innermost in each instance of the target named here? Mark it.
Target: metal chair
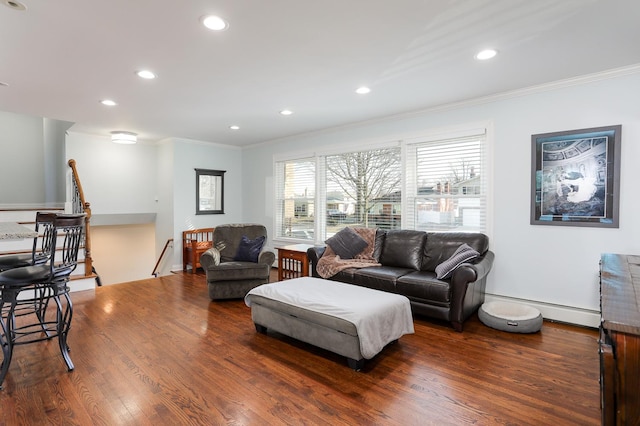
(26, 293)
(40, 253)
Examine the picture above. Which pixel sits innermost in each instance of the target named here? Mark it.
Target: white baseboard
(82, 284)
(549, 311)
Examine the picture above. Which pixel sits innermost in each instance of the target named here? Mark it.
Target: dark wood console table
(620, 339)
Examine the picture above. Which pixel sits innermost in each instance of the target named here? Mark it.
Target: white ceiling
(60, 57)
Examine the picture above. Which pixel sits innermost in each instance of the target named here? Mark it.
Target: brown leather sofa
(409, 259)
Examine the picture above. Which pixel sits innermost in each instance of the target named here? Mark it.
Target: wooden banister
(80, 205)
(155, 269)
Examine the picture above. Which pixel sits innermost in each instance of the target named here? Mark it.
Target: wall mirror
(209, 191)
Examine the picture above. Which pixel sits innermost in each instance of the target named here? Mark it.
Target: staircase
(84, 277)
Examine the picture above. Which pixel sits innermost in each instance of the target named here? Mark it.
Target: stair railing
(80, 205)
(164, 250)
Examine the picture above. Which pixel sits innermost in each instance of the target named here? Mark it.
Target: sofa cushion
(377, 248)
(441, 245)
(403, 248)
(379, 278)
(249, 250)
(464, 253)
(345, 276)
(346, 243)
(424, 286)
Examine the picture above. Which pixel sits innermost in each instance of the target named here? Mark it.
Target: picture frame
(575, 177)
(209, 191)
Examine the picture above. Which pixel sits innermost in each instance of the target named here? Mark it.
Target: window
(363, 189)
(430, 185)
(446, 185)
(295, 198)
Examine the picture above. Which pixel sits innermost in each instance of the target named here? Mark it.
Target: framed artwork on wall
(209, 191)
(575, 177)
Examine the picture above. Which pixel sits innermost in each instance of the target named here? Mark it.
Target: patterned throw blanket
(330, 263)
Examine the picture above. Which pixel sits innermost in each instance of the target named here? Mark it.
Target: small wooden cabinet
(293, 261)
(620, 339)
(194, 243)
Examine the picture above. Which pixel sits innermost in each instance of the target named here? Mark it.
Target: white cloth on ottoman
(379, 317)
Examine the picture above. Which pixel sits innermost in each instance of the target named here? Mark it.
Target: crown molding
(525, 91)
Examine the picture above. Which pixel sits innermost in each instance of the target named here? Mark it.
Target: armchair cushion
(249, 250)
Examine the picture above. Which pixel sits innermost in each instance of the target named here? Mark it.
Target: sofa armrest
(210, 258)
(314, 254)
(267, 257)
(465, 300)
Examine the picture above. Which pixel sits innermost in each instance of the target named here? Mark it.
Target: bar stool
(40, 253)
(26, 292)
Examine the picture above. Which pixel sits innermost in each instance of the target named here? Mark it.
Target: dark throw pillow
(346, 243)
(249, 250)
(464, 253)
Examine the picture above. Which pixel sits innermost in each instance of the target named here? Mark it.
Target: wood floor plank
(159, 352)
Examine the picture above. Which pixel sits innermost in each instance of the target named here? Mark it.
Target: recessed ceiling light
(215, 23)
(286, 112)
(108, 102)
(122, 137)
(486, 54)
(234, 127)
(146, 74)
(363, 90)
(14, 5)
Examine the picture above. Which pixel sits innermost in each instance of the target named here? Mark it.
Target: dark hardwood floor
(159, 352)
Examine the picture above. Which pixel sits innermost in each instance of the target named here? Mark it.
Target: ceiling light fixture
(214, 23)
(108, 102)
(483, 55)
(122, 137)
(234, 127)
(146, 74)
(362, 90)
(14, 5)
(286, 112)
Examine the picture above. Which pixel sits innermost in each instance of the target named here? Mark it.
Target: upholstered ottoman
(352, 321)
(511, 317)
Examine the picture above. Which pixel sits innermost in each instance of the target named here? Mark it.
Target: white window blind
(446, 185)
(362, 189)
(295, 198)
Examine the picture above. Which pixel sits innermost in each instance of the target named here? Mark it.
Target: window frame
(404, 141)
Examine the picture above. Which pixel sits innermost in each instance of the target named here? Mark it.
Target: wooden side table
(293, 261)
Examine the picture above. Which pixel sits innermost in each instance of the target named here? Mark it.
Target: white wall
(164, 212)
(54, 160)
(119, 181)
(553, 267)
(22, 176)
(34, 174)
(116, 179)
(123, 253)
(132, 184)
(189, 155)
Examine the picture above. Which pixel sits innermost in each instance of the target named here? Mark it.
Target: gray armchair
(237, 262)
